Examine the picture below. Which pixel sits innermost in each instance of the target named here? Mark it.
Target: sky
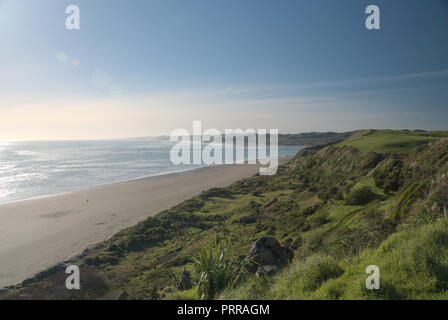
(147, 67)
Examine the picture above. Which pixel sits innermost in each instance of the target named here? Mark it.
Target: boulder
(184, 281)
(267, 255)
(266, 270)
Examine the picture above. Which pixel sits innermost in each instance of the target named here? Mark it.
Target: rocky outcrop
(267, 256)
(184, 281)
(266, 270)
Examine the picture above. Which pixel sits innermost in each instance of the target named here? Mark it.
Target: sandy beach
(36, 234)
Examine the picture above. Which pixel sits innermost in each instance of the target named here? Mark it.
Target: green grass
(360, 196)
(191, 294)
(392, 141)
(296, 282)
(370, 183)
(413, 265)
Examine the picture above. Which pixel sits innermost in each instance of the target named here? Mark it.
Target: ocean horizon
(30, 169)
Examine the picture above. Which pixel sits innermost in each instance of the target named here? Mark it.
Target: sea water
(40, 168)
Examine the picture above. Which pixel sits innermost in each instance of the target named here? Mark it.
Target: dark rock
(267, 251)
(266, 270)
(184, 281)
(123, 295)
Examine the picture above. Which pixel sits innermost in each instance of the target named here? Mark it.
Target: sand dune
(38, 233)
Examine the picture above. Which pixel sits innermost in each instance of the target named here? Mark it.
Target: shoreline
(164, 174)
(281, 159)
(38, 234)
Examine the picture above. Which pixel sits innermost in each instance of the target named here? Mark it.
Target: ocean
(40, 168)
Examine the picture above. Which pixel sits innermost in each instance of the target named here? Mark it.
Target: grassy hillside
(413, 265)
(298, 139)
(377, 198)
(312, 138)
(391, 141)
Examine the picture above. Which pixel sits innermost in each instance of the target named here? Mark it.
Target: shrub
(310, 210)
(303, 278)
(216, 192)
(392, 177)
(218, 269)
(360, 196)
(294, 243)
(245, 220)
(429, 214)
(311, 244)
(325, 195)
(317, 220)
(317, 270)
(339, 196)
(440, 186)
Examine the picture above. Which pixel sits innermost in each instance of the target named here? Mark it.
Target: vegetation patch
(360, 196)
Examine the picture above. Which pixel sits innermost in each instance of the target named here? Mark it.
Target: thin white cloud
(365, 80)
(228, 107)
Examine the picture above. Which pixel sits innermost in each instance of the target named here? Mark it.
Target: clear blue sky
(145, 67)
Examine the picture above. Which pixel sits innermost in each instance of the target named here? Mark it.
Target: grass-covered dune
(312, 138)
(299, 139)
(391, 141)
(377, 198)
